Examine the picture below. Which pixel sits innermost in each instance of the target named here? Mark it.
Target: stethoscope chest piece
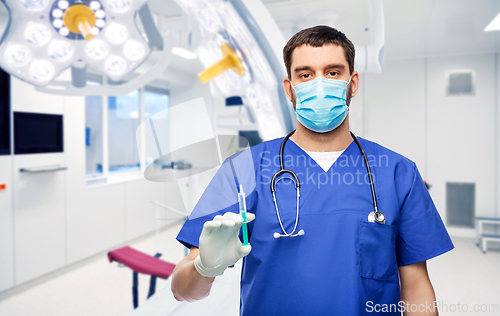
(376, 217)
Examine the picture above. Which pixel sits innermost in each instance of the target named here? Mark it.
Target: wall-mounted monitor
(4, 113)
(36, 133)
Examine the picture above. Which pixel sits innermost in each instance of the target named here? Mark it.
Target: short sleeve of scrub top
(422, 234)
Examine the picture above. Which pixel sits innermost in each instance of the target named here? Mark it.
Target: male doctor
(335, 261)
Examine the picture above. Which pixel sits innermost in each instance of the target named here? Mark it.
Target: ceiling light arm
(371, 58)
(79, 76)
(154, 38)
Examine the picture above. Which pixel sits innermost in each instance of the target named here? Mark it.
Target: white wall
(497, 132)
(357, 108)
(51, 220)
(452, 139)
(461, 131)
(101, 216)
(95, 215)
(6, 225)
(395, 109)
(139, 211)
(39, 231)
(39, 217)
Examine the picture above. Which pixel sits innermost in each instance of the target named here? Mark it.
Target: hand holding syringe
(220, 245)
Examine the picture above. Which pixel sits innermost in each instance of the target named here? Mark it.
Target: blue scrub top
(343, 265)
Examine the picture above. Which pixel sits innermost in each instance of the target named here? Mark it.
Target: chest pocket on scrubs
(377, 251)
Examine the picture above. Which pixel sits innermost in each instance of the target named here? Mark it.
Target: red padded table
(140, 262)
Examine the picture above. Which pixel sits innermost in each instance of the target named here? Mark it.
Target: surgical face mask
(321, 104)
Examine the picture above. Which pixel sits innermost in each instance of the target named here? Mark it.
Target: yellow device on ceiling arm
(80, 19)
(229, 61)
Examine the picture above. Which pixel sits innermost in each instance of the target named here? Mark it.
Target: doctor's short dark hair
(317, 36)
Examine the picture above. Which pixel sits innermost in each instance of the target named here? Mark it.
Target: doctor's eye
(333, 73)
(305, 76)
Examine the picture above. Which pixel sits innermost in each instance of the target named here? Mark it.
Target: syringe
(243, 212)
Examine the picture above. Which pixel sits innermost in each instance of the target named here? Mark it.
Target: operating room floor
(464, 276)
(95, 288)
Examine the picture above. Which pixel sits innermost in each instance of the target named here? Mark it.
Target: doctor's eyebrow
(302, 68)
(330, 66)
(335, 66)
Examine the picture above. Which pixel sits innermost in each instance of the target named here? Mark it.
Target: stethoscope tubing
(368, 169)
(297, 186)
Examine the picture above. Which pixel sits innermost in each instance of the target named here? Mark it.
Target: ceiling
(413, 28)
(439, 27)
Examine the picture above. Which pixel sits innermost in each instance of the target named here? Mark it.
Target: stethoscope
(375, 216)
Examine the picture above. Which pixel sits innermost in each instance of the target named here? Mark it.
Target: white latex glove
(220, 245)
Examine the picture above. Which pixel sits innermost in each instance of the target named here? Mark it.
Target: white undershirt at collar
(325, 159)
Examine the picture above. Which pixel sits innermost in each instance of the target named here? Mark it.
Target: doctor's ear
(287, 86)
(354, 84)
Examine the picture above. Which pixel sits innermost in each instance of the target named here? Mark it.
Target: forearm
(187, 283)
(420, 301)
(417, 292)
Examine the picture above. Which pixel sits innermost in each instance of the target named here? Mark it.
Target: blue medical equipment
(374, 216)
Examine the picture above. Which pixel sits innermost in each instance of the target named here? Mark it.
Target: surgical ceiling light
(241, 35)
(494, 24)
(246, 27)
(45, 37)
